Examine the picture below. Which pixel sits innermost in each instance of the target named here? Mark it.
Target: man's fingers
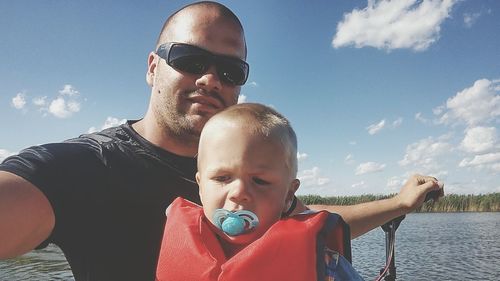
(423, 179)
(433, 189)
(429, 185)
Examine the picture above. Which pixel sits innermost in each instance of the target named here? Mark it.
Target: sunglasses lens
(194, 60)
(195, 64)
(232, 71)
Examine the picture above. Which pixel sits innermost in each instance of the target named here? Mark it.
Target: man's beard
(177, 123)
(184, 127)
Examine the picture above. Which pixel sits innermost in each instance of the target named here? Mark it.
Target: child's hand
(413, 193)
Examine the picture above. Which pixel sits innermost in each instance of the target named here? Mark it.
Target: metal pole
(390, 239)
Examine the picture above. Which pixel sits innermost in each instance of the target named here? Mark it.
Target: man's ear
(294, 185)
(150, 75)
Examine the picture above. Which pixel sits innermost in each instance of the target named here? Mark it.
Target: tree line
(448, 203)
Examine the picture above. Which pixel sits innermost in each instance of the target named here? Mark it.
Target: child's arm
(367, 216)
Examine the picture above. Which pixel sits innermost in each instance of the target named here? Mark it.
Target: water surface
(444, 246)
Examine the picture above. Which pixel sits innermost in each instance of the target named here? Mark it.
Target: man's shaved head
(218, 9)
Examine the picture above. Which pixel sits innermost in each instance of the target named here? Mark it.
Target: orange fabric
(190, 249)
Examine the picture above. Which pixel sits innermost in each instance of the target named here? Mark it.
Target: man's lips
(206, 101)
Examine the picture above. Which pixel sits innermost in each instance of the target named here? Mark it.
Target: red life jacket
(292, 249)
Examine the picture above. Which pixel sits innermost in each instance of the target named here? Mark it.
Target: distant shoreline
(451, 203)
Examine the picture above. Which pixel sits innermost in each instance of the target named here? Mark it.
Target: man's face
(183, 102)
(239, 170)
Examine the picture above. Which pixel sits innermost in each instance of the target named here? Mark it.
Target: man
(101, 198)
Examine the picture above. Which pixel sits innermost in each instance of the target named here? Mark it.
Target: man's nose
(210, 80)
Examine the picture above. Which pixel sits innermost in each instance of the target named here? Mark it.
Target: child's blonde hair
(267, 122)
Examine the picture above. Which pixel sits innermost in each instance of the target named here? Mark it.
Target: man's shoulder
(118, 139)
(109, 135)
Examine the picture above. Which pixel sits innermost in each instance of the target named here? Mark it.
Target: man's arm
(367, 216)
(26, 216)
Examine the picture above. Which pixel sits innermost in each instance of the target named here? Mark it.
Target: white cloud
(395, 183)
(69, 91)
(470, 19)
(360, 184)
(424, 152)
(479, 139)
(481, 160)
(110, 122)
(253, 84)
(419, 117)
(4, 154)
(242, 98)
(66, 104)
(496, 168)
(438, 110)
(349, 159)
(312, 178)
(478, 104)
(375, 128)
(62, 109)
(439, 174)
(19, 101)
(396, 123)
(369, 167)
(40, 101)
(323, 181)
(301, 156)
(384, 24)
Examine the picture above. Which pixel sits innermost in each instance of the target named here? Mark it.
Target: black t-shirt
(109, 192)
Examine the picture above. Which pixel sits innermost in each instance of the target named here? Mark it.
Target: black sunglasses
(195, 60)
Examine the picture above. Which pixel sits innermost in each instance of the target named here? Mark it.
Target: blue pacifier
(235, 223)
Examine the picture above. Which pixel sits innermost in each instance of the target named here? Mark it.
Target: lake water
(445, 246)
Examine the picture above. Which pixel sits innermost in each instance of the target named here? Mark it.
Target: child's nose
(239, 192)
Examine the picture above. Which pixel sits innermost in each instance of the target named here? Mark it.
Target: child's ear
(197, 177)
(294, 185)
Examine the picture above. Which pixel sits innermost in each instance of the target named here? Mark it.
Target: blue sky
(376, 90)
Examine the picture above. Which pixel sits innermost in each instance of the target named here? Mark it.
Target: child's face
(241, 171)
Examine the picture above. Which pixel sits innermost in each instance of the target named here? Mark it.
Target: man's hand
(412, 194)
(367, 216)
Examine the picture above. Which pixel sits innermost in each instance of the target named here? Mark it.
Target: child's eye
(221, 178)
(260, 181)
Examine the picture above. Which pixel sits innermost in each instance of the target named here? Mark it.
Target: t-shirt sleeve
(62, 172)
